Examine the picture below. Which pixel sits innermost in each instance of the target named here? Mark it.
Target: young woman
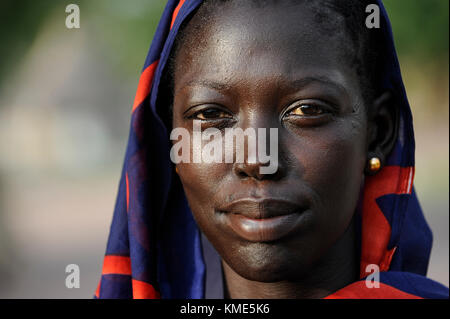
(340, 206)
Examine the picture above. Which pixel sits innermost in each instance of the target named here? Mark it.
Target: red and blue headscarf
(155, 248)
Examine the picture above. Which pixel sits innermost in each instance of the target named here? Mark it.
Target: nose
(249, 170)
(271, 168)
(256, 156)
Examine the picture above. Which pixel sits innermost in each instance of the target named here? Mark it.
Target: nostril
(242, 174)
(242, 170)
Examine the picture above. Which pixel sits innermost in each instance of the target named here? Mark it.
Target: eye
(307, 110)
(309, 113)
(211, 114)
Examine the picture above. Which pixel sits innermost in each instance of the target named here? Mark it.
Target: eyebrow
(303, 82)
(218, 86)
(295, 84)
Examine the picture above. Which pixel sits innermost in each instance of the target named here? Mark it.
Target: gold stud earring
(374, 164)
(176, 169)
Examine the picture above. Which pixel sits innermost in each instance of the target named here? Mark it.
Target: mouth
(264, 220)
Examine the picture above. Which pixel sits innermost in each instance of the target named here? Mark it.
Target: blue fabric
(414, 284)
(154, 227)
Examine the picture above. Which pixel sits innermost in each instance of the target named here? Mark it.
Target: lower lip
(267, 229)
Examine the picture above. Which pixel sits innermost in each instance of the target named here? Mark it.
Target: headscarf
(155, 248)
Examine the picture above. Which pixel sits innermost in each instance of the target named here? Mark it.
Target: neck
(338, 268)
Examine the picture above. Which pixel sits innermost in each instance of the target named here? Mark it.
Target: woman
(341, 203)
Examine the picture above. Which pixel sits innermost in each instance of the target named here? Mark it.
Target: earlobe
(383, 117)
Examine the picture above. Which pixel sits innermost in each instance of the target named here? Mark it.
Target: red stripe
(118, 265)
(175, 12)
(359, 290)
(144, 86)
(146, 78)
(143, 290)
(387, 258)
(406, 180)
(97, 291)
(375, 227)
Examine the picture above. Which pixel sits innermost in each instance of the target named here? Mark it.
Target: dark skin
(276, 70)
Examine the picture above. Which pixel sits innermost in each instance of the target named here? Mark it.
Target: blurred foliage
(20, 23)
(124, 29)
(420, 27)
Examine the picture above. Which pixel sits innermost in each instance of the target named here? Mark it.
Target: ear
(383, 121)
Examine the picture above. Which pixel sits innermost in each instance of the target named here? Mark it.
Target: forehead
(237, 39)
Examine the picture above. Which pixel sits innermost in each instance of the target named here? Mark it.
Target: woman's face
(273, 68)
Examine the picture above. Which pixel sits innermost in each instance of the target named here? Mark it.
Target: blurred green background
(65, 99)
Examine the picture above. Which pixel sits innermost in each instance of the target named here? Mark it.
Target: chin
(266, 262)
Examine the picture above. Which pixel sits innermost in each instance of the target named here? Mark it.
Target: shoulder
(393, 285)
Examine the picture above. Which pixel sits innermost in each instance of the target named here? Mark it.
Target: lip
(263, 220)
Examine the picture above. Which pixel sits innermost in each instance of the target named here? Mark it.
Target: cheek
(202, 182)
(331, 162)
(200, 179)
